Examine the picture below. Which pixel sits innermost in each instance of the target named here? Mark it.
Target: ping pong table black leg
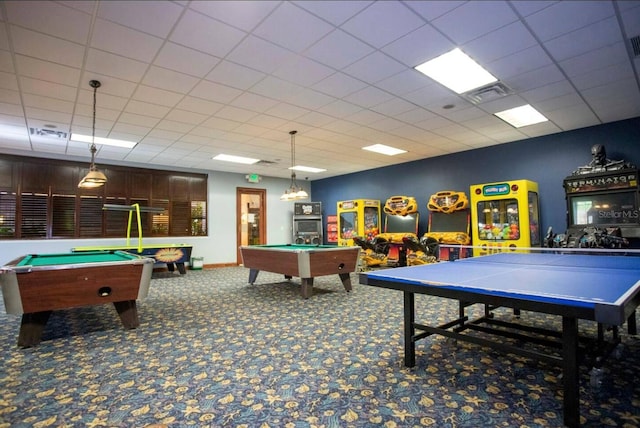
(570, 369)
(409, 329)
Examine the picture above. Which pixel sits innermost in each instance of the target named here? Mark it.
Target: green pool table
(37, 284)
(303, 261)
(173, 255)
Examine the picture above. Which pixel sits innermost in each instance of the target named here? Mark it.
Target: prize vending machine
(504, 216)
(358, 217)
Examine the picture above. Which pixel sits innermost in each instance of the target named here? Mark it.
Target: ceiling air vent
(488, 93)
(635, 45)
(49, 133)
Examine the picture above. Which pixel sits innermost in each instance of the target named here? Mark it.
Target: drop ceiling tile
(185, 60)
(155, 18)
(177, 128)
(241, 14)
(365, 117)
(631, 17)
(339, 85)
(47, 103)
(4, 41)
(276, 89)
(303, 71)
(374, 67)
(214, 92)
(406, 81)
(10, 96)
(393, 107)
(51, 18)
(198, 105)
(47, 48)
(368, 97)
(500, 43)
(382, 23)
(289, 19)
(259, 54)
(198, 31)
(603, 76)
(48, 71)
(339, 109)
(596, 59)
(167, 79)
(116, 66)
(236, 114)
(6, 62)
(418, 46)
(53, 90)
(146, 109)
(564, 17)
(536, 78)
(336, 12)
(518, 63)
(121, 128)
(138, 119)
(546, 92)
(253, 102)
(123, 41)
(474, 19)
(235, 75)
(157, 96)
(47, 115)
(351, 50)
(597, 35)
(287, 111)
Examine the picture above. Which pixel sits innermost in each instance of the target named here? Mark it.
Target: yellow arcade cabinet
(449, 223)
(504, 216)
(357, 217)
(401, 220)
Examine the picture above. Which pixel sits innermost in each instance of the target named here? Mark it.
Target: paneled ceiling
(192, 79)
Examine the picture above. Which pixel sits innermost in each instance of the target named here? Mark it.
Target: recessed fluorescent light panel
(521, 116)
(236, 159)
(103, 141)
(456, 71)
(385, 150)
(307, 168)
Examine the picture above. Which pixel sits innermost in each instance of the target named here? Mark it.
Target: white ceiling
(191, 79)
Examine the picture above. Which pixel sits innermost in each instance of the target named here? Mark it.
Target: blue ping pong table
(600, 288)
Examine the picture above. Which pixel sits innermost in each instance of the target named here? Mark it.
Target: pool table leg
(307, 287)
(31, 328)
(128, 312)
(346, 281)
(253, 275)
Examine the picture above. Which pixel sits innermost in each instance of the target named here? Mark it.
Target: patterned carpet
(213, 351)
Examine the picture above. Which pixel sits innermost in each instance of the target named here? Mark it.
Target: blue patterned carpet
(213, 351)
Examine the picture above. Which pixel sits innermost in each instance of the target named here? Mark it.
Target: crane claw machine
(357, 217)
(504, 216)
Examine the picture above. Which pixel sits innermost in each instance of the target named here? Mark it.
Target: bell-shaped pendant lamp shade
(94, 178)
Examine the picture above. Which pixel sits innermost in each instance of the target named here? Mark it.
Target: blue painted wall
(546, 160)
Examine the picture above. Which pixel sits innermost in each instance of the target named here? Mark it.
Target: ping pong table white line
(541, 250)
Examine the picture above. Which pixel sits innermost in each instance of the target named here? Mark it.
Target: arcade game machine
(504, 216)
(401, 221)
(307, 223)
(603, 205)
(357, 218)
(449, 223)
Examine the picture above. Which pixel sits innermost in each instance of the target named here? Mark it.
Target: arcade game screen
(611, 209)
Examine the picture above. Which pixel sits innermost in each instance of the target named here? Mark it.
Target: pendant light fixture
(94, 178)
(294, 191)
